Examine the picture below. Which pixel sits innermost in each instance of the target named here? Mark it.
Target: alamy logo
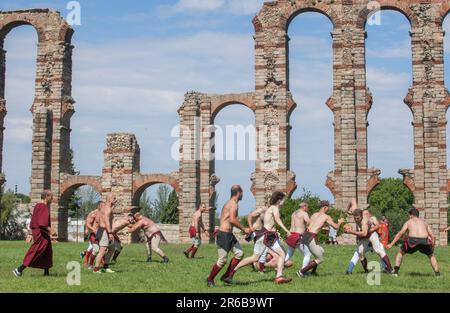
(74, 15)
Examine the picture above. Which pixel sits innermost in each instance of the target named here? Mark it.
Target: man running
(195, 230)
(420, 238)
(367, 239)
(255, 218)
(309, 238)
(225, 239)
(91, 229)
(118, 225)
(299, 222)
(153, 235)
(271, 240)
(104, 234)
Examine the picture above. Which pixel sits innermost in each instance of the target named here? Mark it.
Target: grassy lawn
(133, 274)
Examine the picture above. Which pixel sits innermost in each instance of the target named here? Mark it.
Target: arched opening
(389, 75)
(311, 149)
(235, 154)
(20, 50)
(76, 203)
(158, 201)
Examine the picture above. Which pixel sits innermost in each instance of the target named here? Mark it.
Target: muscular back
(417, 228)
(299, 220)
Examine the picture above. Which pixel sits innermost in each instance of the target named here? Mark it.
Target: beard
(240, 197)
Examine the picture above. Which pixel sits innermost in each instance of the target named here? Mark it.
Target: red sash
(293, 240)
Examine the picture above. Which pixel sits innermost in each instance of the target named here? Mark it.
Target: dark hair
(45, 194)
(413, 211)
(357, 212)
(276, 196)
(235, 189)
(324, 203)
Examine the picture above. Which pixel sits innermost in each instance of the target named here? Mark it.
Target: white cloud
(18, 130)
(234, 7)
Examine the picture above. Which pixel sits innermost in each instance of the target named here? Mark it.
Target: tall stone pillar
(189, 166)
(272, 106)
(197, 179)
(428, 100)
(121, 165)
(2, 107)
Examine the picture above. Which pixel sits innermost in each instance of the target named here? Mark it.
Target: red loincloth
(40, 254)
(293, 240)
(192, 231)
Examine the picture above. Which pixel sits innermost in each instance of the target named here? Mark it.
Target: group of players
(103, 233)
(105, 246)
(302, 236)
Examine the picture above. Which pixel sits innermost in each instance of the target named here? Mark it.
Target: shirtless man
(90, 230)
(309, 238)
(255, 218)
(225, 239)
(270, 217)
(118, 225)
(196, 229)
(299, 222)
(104, 233)
(367, 239)
(153, 235)
(420, 238)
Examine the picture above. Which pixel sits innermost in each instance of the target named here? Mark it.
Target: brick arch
(290, 11)
(320, 8)
(71, 183)
(48, 24)
(219, 102)
(445, 10)
(143, 181)
(397, 6)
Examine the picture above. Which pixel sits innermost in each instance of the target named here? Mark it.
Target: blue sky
(133, 63)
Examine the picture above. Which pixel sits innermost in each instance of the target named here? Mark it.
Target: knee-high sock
(364, 264)
(311, 266)
(116, 254)
(353, 262)
(92, 259)
(194, 251)
(387, 263)
(233, 263)
(88, 256)
(261, 266)
(214, 271)
(190, 249)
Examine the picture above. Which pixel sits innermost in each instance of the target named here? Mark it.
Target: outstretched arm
(333, 224)
(362, 233)
(352, 206)
(254, 214)
(399, 234)
(234, 220)
(135, 227)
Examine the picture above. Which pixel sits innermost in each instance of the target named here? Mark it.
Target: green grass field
(133, 274)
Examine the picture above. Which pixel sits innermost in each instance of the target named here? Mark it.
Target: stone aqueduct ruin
(272, 104)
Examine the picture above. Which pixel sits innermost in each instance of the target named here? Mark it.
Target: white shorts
(259, 247)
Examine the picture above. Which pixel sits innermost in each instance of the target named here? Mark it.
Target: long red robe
(40, 254)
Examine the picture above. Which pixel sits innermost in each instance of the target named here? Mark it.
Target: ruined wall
(350, 103)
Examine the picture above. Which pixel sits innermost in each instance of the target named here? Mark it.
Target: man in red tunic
(40, 254)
